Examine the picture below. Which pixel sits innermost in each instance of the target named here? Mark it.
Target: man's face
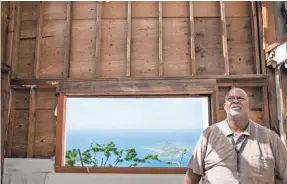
(236, 103)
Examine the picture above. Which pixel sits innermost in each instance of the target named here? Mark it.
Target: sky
(136, 113)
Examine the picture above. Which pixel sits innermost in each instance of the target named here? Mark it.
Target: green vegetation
(100, 155)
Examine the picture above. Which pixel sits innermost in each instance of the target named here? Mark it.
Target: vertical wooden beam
(98, 40)
(60, 131)
(261, 37)
(160, 68)
(31, 127)
(217, 104)
(10, 124)
(266, 106)
(224, 37)
(11, 32)
(38, 40)
(68, 40)
(192, 45)
(129, 17)
(255, 42)
(15, 58)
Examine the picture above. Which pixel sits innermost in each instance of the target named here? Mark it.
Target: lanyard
(242, 145)
(238, 150)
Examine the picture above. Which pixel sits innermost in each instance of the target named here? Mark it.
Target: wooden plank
(129, 16)
(84, 10)
(211, 9)
(208, 46)
(114, 48)
(161, 86)
(29, 8)
(60, 131)
(144, 9)
(123, 170)
(11, 32)
(98, 40)
(144, 47)
(261, 38)
(45, 134)
(240, 48)
(11, 126)
(175, 9)
(192, 45)
(216, 94)
(4, 29)
(255, 36)
(114, 10)
(266, 107)
(22, 99)
(20, 134)
(176, 47)
(83, 47)
(48, 96)
(31, 126)
(54, 10)
(242, 84)
(224, 37)
(26, 56)
(160, 72)
(68, 41)
(38, 40)
(18, 25)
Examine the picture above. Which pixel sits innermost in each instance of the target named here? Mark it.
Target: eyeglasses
(232, 99)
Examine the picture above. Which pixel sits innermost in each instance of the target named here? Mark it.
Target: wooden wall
(61, 41)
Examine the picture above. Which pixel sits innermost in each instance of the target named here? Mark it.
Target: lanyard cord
(238, 150)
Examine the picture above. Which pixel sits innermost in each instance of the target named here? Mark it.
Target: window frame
(127, 88)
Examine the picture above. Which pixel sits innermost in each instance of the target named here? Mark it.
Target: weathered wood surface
(141, 86)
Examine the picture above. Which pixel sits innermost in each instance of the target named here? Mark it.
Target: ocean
(167, 144)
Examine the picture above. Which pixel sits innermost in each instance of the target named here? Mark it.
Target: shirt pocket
(262, 165)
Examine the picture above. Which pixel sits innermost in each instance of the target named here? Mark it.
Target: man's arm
(191, 177)
(280, 154)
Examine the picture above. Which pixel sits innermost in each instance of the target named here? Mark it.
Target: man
(238, 150)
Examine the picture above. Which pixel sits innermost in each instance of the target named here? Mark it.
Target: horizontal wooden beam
(138, 86)
(123, 170)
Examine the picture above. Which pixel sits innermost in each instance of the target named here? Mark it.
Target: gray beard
(235, 114)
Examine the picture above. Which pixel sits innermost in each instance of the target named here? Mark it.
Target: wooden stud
(217, 104)
(224, 36)
(15, 59)
(60, 131)
(129, 17)
(38, 40)
(98, 40)
(31, 128)
(255, 36)
(68, 41)
(160, 39)
(10, 124)
(261, 38)
(192, 45)
(11, 32)
(266, 107)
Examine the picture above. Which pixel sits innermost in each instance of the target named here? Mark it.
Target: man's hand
(191, 177)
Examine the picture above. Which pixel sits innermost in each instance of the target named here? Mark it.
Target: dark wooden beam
(5, 67)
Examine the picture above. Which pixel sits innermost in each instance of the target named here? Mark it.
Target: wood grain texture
(31, 126)
(192, 44)
(255, 33)
(129, 12)
(160, 86)
(38, 40)
(68, 41)
(224, 37)
(160, 59)
(98, 40)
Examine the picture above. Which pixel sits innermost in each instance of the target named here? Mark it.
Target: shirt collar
(228, 132)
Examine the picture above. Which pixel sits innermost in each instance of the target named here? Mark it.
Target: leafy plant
(99, 155)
